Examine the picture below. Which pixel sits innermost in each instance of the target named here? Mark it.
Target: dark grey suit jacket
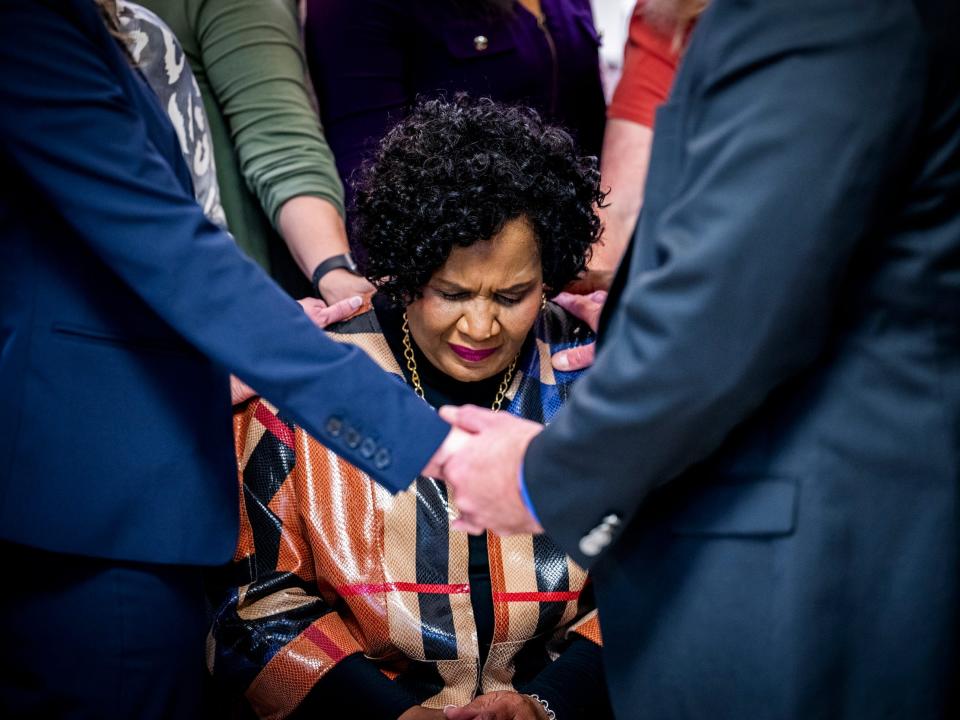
(762, 468)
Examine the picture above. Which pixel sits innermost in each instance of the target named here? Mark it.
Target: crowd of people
(360, 360)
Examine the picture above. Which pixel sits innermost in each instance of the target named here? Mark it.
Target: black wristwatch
(336, 262)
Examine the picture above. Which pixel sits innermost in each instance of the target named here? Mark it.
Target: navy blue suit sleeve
(68, 121)
(770, 170)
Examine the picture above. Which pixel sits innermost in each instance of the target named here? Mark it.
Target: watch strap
(336, 262)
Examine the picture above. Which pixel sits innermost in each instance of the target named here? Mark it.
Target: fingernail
(356, 301)
(561, 362)
(448, 413)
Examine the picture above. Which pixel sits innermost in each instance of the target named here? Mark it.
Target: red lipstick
(470, 354)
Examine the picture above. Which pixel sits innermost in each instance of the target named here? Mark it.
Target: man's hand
(455, 439)
(322, 315)
(587, 308)
(499, 705)
(483, 470)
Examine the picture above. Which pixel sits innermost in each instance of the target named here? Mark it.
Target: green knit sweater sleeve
(254, 61)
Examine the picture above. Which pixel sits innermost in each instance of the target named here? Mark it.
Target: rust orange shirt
(650, 61)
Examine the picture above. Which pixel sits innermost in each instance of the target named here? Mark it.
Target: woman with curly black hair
(365, 604)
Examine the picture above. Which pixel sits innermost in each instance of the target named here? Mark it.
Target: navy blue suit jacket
(762, 469)
(122, 309)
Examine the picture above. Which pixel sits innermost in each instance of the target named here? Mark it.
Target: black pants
(89, 638)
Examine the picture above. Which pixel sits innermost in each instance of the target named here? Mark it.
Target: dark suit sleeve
(67, 121)
(771, 168)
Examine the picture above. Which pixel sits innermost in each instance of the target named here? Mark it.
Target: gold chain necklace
(415, 376)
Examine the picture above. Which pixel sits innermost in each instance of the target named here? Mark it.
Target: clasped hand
(499, 705)
(480, 461)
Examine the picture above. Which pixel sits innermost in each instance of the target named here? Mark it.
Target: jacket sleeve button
(589, 546)
(368, 447)
(612, 520)
(334, 426)
(381, 459)
(352, 438)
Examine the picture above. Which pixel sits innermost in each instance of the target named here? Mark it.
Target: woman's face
(478, 307)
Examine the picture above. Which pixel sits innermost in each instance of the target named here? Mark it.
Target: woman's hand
(587, 308)
(314, 231)
(592, 280)
(322, 315)
(499, 705)
(340, 284)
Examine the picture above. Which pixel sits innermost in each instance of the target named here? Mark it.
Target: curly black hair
(452, 173)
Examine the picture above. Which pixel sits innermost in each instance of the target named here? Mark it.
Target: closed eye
(453, 297)
(507, 299)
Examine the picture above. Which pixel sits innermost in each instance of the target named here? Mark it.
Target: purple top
(370, 59)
